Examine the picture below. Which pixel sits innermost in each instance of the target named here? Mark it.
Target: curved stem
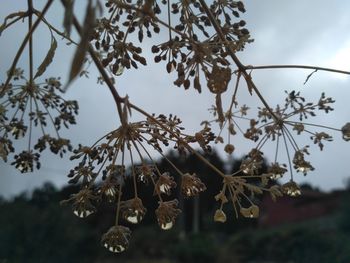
(287, 151)
(30, 49)
(51, 27)
(133, 171)
(312, 124)
(298, 67)
(30, 123)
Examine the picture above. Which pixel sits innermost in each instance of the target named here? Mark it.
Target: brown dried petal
(116, 239)
(164, 184)
(166, 214)
(82, 206)
(218, 79)
(222, 197)
(276, 171)
(291, 189)
(191, 185)
(250, 212)
(220, 216)
(229, 148)
(133, 210)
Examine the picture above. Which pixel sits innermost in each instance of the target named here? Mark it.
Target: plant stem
(238, 63)
(30, 49)
(298, 67)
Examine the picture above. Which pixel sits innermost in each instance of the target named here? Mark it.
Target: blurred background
(312, 227)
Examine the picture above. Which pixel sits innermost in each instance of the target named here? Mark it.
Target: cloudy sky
(313, 32)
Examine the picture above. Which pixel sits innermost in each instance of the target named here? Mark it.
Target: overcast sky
(313, 32)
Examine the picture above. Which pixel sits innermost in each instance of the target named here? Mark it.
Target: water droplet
(167, 226)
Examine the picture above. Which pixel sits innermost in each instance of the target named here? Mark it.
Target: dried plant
(201, 48)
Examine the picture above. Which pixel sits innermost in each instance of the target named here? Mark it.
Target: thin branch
(30, 49)
(298, 67)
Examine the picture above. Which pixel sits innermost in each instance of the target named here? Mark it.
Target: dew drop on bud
(167, 226)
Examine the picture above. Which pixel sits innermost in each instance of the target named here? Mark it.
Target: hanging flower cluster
(106, 160)
(26, 106)
(201, 48)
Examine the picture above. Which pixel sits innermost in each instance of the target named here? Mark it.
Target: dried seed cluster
(26, 106)
(200, 47)
(106, 160)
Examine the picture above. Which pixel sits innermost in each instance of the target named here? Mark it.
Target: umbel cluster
(197, 44)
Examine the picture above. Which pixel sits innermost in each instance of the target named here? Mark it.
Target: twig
(298, 67)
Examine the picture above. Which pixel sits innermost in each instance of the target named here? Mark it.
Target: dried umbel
(291, 188)
(133, 210)
(167, 213)
(191, 185)
(145, 173)
(34, 106)
(5, 148)
(300, 164)
(220, 216)
(276, 170)
(82, 203)
(218, 79)
(109, 188)
(202, 41)
(229, 148)
(164, 184)
(116, 239)
(26, 161)
(346, 131)
(250, 212)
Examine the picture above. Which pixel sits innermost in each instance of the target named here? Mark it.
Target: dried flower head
(133, 210)
(164, 184)
(18, 129)
(84, 172)
(250, 166)
(300, 164)
(26, 160)
(250, 212)
(276, 170)
(34, 106)
(5, 148)
(145, 173)
(166, 214)
(346, 131)
(220, 216)
(218, 79)
(191, 185)
(82, 203)
(109, 190)
(229, 148)
(291, 188)
(116, 239)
